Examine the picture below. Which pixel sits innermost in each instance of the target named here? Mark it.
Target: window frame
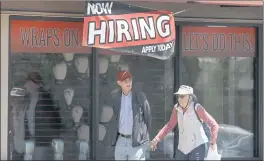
(94, 83)
(177, 78)
(258, 79)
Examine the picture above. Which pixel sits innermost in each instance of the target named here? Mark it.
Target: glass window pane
(153, 77)
(50, 104)
(223, 81)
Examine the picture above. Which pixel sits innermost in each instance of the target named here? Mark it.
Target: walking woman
(192, 136)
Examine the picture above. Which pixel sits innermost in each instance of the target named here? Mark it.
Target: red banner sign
(131, 29)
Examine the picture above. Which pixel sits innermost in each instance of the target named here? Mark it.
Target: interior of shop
(65, 81)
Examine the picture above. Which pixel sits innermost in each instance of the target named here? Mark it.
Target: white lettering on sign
(149, 49)
(99, 8)
(145, 28)
(165, 47)
(123, 29)
(157, 48)
(93, 32)
(160, 20)
(111, 31)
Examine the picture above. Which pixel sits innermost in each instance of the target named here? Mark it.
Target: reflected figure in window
(192, 119)
(191, 74)
(17, 125)
(129, 128)
(42, 117)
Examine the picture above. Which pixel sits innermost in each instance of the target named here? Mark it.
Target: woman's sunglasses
(181, 96)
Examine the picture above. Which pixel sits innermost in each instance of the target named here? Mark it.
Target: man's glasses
(129, 80)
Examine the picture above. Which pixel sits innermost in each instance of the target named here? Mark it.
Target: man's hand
(153, 144)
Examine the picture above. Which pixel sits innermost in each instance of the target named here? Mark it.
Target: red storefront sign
(38, 36)
(218, 41)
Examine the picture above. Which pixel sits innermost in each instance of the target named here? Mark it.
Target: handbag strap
(195, 103)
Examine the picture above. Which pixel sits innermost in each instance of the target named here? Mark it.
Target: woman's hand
(153, 144)
(212, 146)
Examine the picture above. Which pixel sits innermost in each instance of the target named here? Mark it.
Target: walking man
(129, 129)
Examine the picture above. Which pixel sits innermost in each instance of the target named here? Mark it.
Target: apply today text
(157, 47)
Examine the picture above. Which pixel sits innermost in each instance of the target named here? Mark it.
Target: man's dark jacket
(141, 119)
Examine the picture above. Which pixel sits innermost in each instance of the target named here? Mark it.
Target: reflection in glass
(50, 102)
(225, 87)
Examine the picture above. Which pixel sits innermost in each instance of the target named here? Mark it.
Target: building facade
(219, 51)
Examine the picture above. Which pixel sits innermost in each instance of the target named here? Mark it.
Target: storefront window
(50, 91)
(153, 77)
(219, 63)
(50, 102)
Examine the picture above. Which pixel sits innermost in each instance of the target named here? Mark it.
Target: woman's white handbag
(213, 154)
